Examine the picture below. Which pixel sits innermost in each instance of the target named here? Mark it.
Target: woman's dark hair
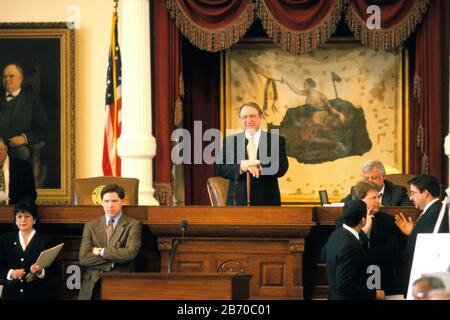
(25, 207)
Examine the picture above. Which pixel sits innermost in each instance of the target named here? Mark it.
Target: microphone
(183, 226)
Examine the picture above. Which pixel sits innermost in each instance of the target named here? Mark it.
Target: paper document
(45, 259)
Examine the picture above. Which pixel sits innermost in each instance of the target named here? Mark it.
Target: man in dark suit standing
(23, 118)
(380, 236)
(347, 259)
(425, 193)
(390, 194)
(16, 179)
(109, 243)
(258, 153)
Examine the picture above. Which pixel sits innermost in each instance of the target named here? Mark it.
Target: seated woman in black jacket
(23, 278)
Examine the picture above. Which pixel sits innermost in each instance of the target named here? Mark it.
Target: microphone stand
(175, 243)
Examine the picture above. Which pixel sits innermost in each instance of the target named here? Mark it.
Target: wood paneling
(174, 286)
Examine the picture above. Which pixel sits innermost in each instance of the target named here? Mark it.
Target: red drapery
(399, 19)
(431, 68)
(429, 107)
(299, 26)
(166, 89)
(212, 25)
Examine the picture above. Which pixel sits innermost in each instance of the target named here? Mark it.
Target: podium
(174, 286)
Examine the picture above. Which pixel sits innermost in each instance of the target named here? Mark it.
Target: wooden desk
(279, 246)
(267, 242)
(174, 286)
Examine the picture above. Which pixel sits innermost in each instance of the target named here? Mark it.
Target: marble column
(137, 145)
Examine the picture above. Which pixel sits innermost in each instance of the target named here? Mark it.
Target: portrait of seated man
(23, 117)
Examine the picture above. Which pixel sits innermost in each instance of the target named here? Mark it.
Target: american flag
(113, 102)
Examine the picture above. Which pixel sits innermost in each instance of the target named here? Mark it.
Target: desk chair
(87, 190)
(217, 190)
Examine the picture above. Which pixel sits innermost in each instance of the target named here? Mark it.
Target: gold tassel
(425, 168)
(178, 112)
(416, 88)
(164, 194)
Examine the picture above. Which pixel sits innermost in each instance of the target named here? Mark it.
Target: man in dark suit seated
(16, 179)
(390, 194)
(347, 259)
(425, 193)
(23, 118)
(380, 235)
(258, 153)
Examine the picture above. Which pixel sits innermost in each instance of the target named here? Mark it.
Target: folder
(45, 259)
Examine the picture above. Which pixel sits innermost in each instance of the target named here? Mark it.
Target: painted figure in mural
(320, 102)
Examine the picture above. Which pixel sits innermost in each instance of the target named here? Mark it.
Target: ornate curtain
(299, 26)
(212, 25)
(167, 93)
(429, 107)
(399, 19)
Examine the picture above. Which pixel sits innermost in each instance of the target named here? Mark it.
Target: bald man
(23, 118)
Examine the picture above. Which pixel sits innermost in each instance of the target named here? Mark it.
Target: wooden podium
(174, 286)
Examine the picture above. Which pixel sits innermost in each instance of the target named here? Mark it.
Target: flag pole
(116, 4)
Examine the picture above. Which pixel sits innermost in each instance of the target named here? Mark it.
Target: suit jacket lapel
(101, 231)
(17, 113)
(387, 195)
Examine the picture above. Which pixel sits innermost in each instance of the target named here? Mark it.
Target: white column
(137, 145)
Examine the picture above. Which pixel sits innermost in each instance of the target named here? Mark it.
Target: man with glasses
(390, 193)
(425, 193)
(255, 152)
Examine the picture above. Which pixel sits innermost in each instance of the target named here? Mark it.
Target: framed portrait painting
(336, 108)
(45, 54)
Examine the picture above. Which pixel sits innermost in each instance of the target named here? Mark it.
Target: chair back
(401, 179)
(87, 190)
(217, 190)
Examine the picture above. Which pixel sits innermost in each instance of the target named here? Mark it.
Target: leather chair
(217, 190)
(401, 179)
(87, 190)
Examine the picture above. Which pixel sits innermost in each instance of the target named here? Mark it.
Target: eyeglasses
(249, 116)
(23, 216)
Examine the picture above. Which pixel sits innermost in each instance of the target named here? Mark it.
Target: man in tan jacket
(110, 243)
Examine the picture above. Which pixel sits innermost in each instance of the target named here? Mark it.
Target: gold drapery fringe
(178, 113)
(211, 40)
(164, 193)
(386, 39)
(298, 42)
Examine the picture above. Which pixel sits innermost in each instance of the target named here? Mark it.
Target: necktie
(109, 231)
(9, 96)
(2, 182)
(252, 149)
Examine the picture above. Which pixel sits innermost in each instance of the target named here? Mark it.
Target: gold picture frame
(46, 53)
(372, 84)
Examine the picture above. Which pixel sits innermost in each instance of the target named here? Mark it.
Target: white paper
(431, 254)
